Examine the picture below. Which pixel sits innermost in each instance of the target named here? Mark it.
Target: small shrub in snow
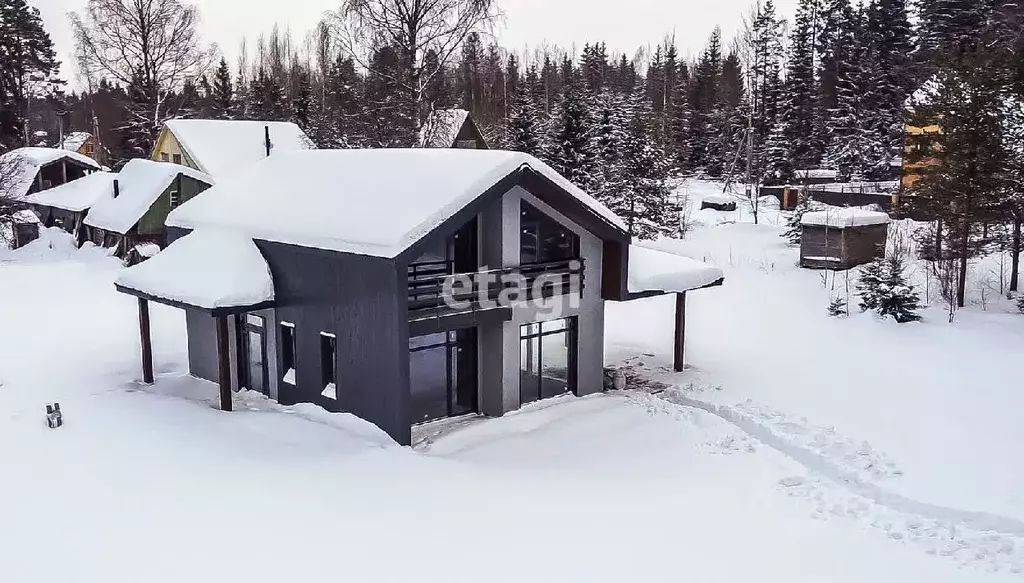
(884, 288)
(1020, 304)
(837, 307)
(793, 227)
(868, 285)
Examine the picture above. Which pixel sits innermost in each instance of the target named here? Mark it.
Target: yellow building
(82, 142)
(220, 147)
(920, 142)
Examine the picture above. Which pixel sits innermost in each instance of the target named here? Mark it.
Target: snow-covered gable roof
(375, 202)
(442, 127)
(19, 167)
(841, 218)
(220, 147)
(75, 140)
(77, 195)
(140, 183)
(205, 269)
(652, 270)
(25, 217)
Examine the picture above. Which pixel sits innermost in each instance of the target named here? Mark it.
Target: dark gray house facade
(494, 301)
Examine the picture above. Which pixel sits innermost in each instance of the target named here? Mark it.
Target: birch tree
(151, 47)
(410, 28)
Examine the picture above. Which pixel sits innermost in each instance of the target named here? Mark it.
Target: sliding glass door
(548, 359)
(443, 375)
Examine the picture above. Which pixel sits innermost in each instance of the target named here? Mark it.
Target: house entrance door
(253, 354)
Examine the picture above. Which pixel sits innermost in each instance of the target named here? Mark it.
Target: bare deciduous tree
(151, 46)
(412, 28)
(12, 200)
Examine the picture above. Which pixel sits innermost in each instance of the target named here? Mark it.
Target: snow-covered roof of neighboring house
(20, 166)
(74, 141)
(652, 270)
(816, 173)
(220, 147)
(140, 183)
(205, 269)
(25, 216)
(442, 127)
(375, 202)
(841, 218)
(77, 195)
(718, 199)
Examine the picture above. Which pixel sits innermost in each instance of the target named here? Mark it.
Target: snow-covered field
(797, 448)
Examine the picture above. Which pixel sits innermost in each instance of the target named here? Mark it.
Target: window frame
(176, 159)
(328, 364)
(544, 218)
(165, 157)
(288, 348)
(175, 198)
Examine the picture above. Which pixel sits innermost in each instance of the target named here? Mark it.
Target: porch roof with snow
(221, 147)
(654, 272)
(214, 271)
(21, 166)
(140, 183)
(78, 195)
(376, 202)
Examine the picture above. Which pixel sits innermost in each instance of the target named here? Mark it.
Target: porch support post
(680, 336)
(64, 170)
(224, 362)
(147, 342)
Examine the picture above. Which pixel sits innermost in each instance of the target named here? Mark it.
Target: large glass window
(442, 375)
(547, 359)
(544, 239)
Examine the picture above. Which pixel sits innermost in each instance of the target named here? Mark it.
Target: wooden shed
(842, 238)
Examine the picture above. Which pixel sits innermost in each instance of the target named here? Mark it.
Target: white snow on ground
(207, 269)
(935, 407)
(775, 458)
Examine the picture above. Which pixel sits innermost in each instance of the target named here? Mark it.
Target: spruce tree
(896, 297)
(302, 102)
(26, 58)
(705, 101)
(644, 202)
(570, 150)
(610, 139)
(223, 97)
(800, 109)
(794, 224)
(525, 129)
(869, 284)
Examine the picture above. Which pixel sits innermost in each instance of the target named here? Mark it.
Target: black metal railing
(434, 286)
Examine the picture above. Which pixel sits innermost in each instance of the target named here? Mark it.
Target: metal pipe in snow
(117, 188)
(266, 138)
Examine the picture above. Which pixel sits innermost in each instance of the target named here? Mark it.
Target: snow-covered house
(137, 202)
(402, 286)
(65, 206)
(27, 170)
(220, 147)
(842, 238)
(451, 128)
(82, 142)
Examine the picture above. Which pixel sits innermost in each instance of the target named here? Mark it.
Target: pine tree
(794, 224)
(525, 129)
(570, 151)
(223, 98)
(27, 58)
(837, 307)
(705, 101)
(869, 284)
(895, 296)
(644, 202)
(800, 108)
(303, 100)
(778, 167)
(680, 118)
(610, 139)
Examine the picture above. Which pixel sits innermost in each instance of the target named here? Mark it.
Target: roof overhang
(224, 311)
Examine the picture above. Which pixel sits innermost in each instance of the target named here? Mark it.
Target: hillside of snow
(797, 448)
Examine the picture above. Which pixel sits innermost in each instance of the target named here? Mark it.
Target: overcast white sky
(625, 25)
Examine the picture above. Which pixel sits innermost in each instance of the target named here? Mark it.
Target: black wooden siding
(362, 301)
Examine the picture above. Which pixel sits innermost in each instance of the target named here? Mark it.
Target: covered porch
(653, 273)
(213, 273)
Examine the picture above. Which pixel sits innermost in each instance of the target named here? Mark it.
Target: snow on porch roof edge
(214, 271)
(652, 272)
